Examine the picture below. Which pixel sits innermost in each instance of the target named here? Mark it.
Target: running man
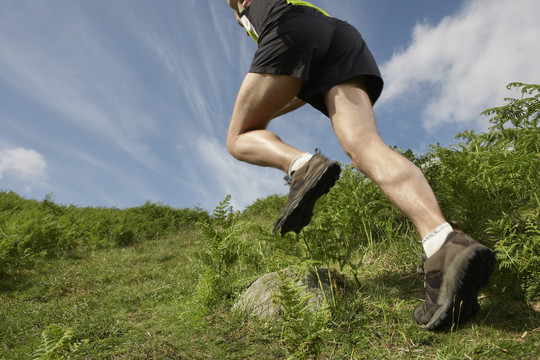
(306, 56)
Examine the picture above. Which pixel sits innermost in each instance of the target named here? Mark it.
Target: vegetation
(157, 282)
(31, 230)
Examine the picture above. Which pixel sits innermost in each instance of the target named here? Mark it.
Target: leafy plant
(355, 216)
(222, 247)
(518, 230)
(30, 229)
(57, 342)
(490, 184)
(304, 328)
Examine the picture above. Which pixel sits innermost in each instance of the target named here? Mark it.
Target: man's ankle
(433, 241)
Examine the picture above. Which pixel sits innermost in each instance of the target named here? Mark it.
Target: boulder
(258, 300)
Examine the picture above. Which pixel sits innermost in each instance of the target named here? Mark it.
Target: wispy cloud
(462, 64)
(198, 56)
(180, 62)
(222, 26)
(76, 73)
(24, 167)
(245, 183)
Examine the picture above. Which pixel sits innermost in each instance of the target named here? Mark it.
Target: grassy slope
(138, 302)
(141, 300)
(131, 303)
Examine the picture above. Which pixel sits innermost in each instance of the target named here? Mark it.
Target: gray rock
(258, 300)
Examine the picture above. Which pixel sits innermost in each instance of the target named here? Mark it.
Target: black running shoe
(454, 274)
(308, 183)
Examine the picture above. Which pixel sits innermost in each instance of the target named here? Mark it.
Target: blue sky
(119, 102)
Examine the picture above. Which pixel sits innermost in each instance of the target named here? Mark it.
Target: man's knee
(234, 142)
(231, 143)
(360, 149)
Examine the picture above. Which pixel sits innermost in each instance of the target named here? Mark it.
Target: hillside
(154, 282)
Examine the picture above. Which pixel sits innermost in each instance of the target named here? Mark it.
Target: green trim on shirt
(305, 3)
(253, 33)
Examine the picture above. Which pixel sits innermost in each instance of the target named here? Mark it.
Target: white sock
(298, 162)
(433, 241)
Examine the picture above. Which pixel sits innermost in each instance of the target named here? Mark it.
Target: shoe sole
(300, 212)
(465, 275)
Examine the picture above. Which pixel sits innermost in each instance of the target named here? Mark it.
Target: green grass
(154, 282)
(139, 302)
(127, 303)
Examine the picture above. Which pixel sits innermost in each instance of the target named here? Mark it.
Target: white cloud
(462, 65)
(25, 166)
(201, 63)
(76, 73)
(244, 182)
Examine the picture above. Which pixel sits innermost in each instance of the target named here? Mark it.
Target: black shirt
(264, 14)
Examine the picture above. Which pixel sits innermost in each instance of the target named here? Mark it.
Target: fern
(223, 245)
(304, 329)
(57, 343)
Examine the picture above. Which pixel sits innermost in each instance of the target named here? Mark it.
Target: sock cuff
(298, 162)
(435, 231)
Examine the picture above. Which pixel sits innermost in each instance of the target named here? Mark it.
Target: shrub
(490, 184)
(30, 229)
(355, 216)
(222, 247)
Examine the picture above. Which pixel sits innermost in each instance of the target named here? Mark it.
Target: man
(306, 56)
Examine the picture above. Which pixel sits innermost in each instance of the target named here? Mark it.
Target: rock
(258, 299)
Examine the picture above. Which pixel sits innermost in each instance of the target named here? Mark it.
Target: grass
(140, 302)
(128, 303)
(154, 282)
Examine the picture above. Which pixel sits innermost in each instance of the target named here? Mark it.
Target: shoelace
(288, 179)
(420, 268)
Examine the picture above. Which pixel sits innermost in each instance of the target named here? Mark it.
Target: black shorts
(321, 50)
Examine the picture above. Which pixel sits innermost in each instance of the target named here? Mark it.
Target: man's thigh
(260, 97)
(351, 112)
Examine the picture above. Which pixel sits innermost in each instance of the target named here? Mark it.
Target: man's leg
(260, 98)
(458, 265)
(403, 182)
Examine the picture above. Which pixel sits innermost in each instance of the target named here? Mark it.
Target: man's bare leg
(260, 98)
(458, 265)
(403, 182)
